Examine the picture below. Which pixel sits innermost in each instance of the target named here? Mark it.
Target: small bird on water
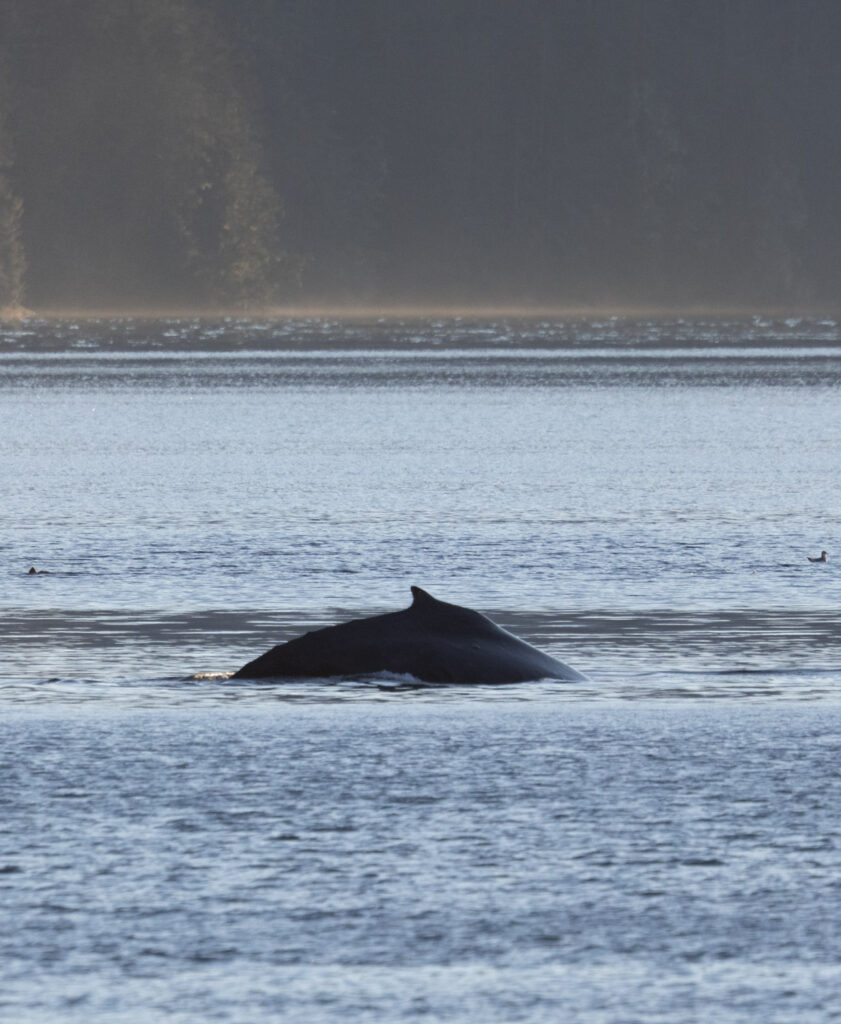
(821, 558)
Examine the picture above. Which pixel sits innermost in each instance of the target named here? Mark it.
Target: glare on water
(638, 498)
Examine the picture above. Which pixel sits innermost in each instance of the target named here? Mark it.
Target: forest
(241, 154)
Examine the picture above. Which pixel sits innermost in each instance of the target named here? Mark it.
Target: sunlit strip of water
(559, 352)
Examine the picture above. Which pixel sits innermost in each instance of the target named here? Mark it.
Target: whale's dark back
(430, 640)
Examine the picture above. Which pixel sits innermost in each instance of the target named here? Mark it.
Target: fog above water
(212, 154)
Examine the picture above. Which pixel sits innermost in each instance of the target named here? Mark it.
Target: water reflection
(773, 686)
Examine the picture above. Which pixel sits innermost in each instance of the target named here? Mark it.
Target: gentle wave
(89, 655)
(127, 334)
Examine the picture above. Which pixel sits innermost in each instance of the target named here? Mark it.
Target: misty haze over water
(215, 153)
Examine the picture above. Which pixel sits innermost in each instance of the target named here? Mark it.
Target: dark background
(210, 153)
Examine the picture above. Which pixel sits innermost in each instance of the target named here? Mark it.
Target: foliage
(12, 260)
(222, 153)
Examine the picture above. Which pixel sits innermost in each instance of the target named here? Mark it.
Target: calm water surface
(660, 843)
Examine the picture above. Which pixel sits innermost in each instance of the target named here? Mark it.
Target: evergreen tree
(12, 261)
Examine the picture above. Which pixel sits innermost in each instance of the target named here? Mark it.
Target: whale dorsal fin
(448, 618)
(420, 599)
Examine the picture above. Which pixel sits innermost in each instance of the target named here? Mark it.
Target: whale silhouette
(431, 640)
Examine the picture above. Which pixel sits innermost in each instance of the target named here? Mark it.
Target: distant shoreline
(414, 311)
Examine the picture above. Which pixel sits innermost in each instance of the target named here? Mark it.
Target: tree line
(238, 153)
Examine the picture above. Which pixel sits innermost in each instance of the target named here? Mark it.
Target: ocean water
(637, 497)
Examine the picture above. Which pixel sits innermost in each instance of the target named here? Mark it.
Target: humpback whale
(431, 640)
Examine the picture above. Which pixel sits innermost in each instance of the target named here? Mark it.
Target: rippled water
(636, 497)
